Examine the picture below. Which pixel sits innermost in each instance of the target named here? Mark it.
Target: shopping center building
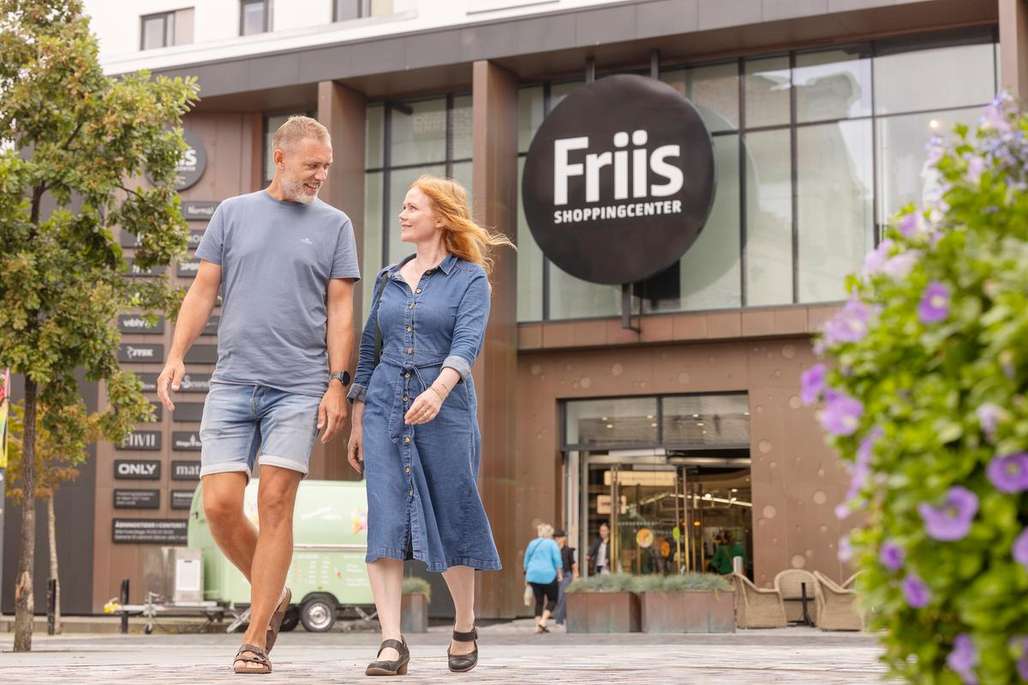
(642, 364)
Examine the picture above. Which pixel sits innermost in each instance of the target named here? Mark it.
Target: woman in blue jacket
(544, 570)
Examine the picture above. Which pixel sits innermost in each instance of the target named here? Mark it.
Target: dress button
(410, 350)
(410, 306)
(411, 492)
(406, 469)
(410, 328)
(418, 291)
(406, 440)
(406, 398)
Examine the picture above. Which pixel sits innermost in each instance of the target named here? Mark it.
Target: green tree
(74, 146)
(927, 395)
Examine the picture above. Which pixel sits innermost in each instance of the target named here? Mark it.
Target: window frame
(243, 4)
(169, 29)
(363, 10)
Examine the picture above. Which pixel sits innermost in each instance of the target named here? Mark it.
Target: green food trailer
(328, 573)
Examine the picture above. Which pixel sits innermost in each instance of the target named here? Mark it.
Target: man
(599, 553)
(570, 563)
(286, 264)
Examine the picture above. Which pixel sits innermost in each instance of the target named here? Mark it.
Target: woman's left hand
(425, 408)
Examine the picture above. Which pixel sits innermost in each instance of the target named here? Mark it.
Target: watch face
(344, 377)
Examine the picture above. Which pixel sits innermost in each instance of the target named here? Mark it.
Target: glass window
(922, 80)
(707, 421)
(714, 90)
(768, 218)
(573, 298)
(419, 133)
(767, 92)
(559, 91)
(371, 250)
(463, 173)
(374, 139)
(399, 184)
(347, 9)
(835, 206)
(157, 31)
(184, 26)
(462, 126)
(253, 17)
(381, 8)
(902, 142)
(530, 265)
(530, 115)
(832, 85)
(710, 270)
(611, 422)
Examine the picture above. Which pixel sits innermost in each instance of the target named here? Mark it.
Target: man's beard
(295, 191)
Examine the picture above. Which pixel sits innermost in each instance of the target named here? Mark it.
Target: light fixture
(933, 123)
(603, 418)
(735, 489)
(696, 523)
(699, 423)
(610, 425)
(653, 425)
(649, 416)
(696, 416)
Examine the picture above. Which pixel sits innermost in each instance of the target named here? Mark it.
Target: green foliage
(74, 148)
(606, 582)
(625, 582)
(948, 396)
(417, 586)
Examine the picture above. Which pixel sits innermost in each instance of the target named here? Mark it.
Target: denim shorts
(247, 425)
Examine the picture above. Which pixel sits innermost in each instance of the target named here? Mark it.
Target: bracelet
(437, 393)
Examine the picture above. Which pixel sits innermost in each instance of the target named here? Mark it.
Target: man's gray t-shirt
(276, 260)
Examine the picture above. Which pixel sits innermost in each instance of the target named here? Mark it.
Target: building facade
(668, 407)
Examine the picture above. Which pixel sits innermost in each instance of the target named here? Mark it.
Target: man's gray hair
(296, 129)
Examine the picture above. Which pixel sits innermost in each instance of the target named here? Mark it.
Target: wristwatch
(341, 376)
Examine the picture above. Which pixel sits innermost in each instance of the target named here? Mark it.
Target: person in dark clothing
(599, 552)
(570, 563)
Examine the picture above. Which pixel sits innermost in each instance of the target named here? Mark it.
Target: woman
(544, 570)
(415, 432)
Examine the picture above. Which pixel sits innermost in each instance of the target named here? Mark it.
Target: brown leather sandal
(251, 659)
(462, 663)
(276, 618)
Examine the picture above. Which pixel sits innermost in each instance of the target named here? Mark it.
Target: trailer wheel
(318, 614)
(291, 620)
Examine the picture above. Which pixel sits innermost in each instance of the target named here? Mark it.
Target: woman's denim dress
(423, 500)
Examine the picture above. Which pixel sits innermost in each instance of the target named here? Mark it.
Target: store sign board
(619, 180)
(185, 470)
(137, 469)
(141, 325)
(181, 499)
(137, 499)
(149, 531)
(139, 353)
(185, 441)
(198, 210)
(192, 163)
(144, 441)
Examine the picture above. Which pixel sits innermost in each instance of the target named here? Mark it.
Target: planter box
(701, 611)
(603, 612)
(414, 613)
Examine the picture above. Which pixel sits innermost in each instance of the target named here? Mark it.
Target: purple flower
(952, 519)
(891, 555)
(876, 258)
(912, 224)
(1021, 548)
(1009, 473)
(850, 324)
(995, 116)
(845, 548)
(963, 658)
(862, 465)
(1022, 662)
(842, 511)
(841, 414)
(915, 591)
(934, 305)
(902, 264)
(812, 383)
(935, 150)
(975, 168)
(988, 416)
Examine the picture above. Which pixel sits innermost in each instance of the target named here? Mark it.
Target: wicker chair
(788, 583)
(836, 605)
(756, 607)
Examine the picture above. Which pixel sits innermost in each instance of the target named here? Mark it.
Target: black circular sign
(191, 164)
(619, 180)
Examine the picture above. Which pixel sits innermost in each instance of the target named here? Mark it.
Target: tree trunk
(24, 606)
(51, 516)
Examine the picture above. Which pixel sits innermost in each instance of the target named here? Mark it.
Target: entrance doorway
(668, 476)
(671, 517)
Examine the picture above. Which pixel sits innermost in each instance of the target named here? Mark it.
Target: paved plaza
(510, 653)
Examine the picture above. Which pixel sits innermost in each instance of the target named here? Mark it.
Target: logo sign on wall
(191, 164)
(137, 469)
(198, 210)
(181, 499)
(137, 499)
(146, 441)
(149, 531)
(137, 323)
(139, 353)
(186, 441)
(619, 180)
(185, 470)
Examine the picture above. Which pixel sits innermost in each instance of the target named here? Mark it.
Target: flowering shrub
(923, 389)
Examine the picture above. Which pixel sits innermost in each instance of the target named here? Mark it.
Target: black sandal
(462, 663)
(251, 659)
(398, 667)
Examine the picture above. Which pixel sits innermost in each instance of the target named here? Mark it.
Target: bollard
(51, 606)
(124, 603)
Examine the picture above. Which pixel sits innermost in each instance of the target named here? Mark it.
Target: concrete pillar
(1013, 48)
(494, 156)
(343, 111)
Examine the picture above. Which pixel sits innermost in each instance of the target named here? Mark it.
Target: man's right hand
(170, 380)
